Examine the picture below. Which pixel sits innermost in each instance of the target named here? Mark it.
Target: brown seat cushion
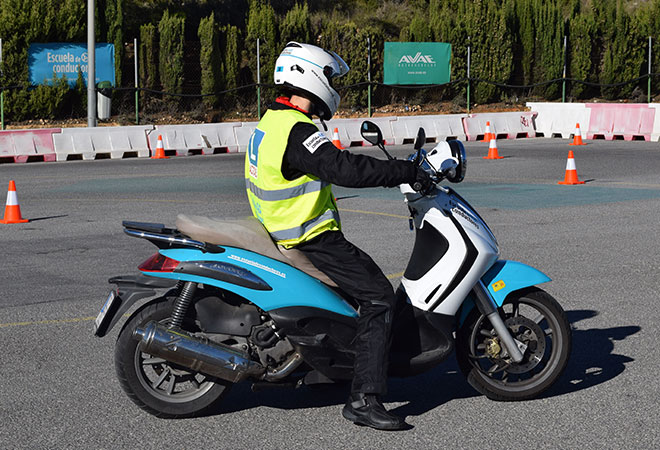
(249, 234)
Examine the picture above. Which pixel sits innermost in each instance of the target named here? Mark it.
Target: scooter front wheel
(535, 319)
(155, 385)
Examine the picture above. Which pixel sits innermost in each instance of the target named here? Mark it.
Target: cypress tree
(580, 39)
(148, 64)
(262, 25)
(210, 59)
(115, 35)
(296, 25)
(171, 31)
(231, 57)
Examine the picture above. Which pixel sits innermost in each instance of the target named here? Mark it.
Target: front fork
(488, 307)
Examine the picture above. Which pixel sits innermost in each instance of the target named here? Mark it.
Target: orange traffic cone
(335, 140)
(488, 136)
(160, 150)
(577, 137)
(12, 210)
(492, 150)
(571, 176)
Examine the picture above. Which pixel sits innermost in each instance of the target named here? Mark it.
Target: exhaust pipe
(196, 353)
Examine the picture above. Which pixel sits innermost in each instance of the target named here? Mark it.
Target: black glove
(423, 182)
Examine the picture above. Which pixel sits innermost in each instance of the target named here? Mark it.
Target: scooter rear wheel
(534, 318)
(157, 386)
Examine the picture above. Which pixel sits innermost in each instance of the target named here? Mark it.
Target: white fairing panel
(472, 250)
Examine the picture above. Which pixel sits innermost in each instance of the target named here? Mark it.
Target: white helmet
(309, 70)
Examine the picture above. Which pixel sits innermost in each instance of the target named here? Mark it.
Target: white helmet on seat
(309, 69)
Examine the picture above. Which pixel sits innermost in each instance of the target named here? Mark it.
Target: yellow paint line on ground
(398, 216)
(46, 322)
(50, 321)
(394, 275)
(132, 200)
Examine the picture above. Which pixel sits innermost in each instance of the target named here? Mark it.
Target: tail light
(159, 263)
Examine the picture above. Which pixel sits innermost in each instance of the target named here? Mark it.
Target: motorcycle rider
(289, 168)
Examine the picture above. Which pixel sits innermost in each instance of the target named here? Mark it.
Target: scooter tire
(544, 360)
(134, 374)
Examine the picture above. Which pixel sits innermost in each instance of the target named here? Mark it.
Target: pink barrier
(614, 121)
(28, 145)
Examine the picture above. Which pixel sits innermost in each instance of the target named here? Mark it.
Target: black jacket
(335, 166)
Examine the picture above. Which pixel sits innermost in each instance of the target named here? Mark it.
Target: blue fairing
(290, 286)
(505, 277)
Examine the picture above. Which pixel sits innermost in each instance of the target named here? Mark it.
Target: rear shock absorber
(182, 303)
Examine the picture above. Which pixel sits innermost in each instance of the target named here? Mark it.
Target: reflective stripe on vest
(287, 193)
(296, 232)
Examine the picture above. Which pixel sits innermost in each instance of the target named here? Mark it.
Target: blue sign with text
(49, 61)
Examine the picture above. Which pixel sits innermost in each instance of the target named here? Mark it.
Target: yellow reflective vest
(292, 211)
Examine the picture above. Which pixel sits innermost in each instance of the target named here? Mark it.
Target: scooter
(220, 303)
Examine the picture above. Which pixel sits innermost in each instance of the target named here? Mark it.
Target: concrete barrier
(243, 134)
(102, 142)
(437, 128)
(630, 121)
(560, 119)
(204, 139)
(349, 130)
(655, 134)
(505, 125)
(27, 145)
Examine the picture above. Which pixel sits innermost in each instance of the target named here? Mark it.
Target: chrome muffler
(196, 353)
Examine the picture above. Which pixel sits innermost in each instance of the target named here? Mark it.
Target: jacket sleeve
(311, 152)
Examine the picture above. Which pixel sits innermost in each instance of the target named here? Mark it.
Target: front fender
(503, 278)
(506, 276)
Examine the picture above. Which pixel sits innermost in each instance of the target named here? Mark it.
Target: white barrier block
(89, 143)
(349, 130)
(437, 128)
(560, 119)
(655, 135)
(243, 134)
(206, 138)
(506, 125)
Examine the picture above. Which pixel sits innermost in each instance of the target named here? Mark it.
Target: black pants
(358, 276)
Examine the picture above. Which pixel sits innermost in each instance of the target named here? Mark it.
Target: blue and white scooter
(220, 303)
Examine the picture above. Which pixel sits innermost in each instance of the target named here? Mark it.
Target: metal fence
(132, 103)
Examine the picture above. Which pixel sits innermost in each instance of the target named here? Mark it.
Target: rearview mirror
(371, 133)
(420, 140)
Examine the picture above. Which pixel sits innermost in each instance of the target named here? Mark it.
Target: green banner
(417, 63)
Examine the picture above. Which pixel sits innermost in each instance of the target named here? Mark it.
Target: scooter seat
(248, 234)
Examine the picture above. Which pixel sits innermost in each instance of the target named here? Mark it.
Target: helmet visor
(340, 70)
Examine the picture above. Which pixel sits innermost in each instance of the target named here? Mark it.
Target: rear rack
(163, 237)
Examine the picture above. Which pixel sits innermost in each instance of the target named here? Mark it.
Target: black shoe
(367, 410)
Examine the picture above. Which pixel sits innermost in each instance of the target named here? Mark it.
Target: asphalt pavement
(599, 242)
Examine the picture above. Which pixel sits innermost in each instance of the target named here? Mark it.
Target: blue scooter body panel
(506, 276)
(290, 286)
(503, 278)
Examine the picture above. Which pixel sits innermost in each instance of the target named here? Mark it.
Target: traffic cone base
(160, 150)
(335, 140)
(13, 209)
(577, 137)
(492, 150)
(571, 176)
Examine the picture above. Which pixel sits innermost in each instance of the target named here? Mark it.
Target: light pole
(91, 65)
